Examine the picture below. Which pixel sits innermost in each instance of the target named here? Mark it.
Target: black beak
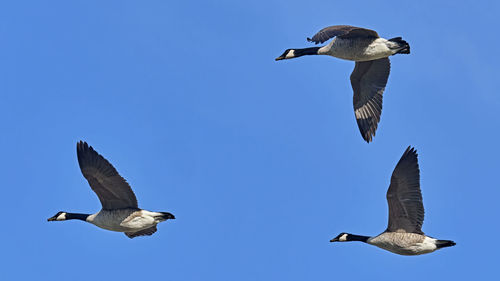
(334, 240)
(51, 219)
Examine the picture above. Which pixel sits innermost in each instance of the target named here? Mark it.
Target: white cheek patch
(61, 217)
(290, 54)
(343, 238)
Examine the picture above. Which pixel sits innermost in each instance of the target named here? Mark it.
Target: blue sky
(260, 161)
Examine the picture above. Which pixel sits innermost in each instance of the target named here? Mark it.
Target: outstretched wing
(406, 209)
(144, 232)
(113, 191)
(368, 80)
(343, 31)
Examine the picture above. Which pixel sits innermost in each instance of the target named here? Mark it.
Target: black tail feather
(403, 44)
(167, 216)
(444, 243)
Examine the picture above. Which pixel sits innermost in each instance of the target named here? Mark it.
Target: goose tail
(403, 45)
(167, 216)
(444, 243)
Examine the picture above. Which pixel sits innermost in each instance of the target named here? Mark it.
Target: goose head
(60, 216)
(288, 54)
(295, 53)
(342, 237)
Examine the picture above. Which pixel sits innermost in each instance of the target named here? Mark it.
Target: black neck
(75, 216)
(352, 237)
(306, 51)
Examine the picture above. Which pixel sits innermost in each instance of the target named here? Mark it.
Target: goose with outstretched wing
(369, 78)
(120, 211)
(404, 234)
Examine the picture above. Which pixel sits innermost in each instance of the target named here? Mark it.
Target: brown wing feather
(368, 80)
(406, 208)
(144, 232)
(344, 31)
(113, 191)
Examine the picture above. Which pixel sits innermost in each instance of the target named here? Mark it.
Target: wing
(144, 232)
(368, 80)
(343, 31)
(113, 191)
(406, 209)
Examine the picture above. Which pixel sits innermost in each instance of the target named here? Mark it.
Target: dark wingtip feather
(367, 128)
(367, 135)
(82, 146)
(410, 151)
(82, 152)
(410, 157)
(88, 157)
(315, 41)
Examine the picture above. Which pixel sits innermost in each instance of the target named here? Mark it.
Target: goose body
(407, 244)
(119, 205)
(403, 235)
(371, 72)
(126, 220)
(360, 49)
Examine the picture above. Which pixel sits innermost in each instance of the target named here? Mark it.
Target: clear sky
(261, 162)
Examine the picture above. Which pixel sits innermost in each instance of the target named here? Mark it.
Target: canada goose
(406, 214)
(119, 204)
(370, 74)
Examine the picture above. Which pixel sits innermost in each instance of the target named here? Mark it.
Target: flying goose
(403, 235)
(370, 74)
(119, 204)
